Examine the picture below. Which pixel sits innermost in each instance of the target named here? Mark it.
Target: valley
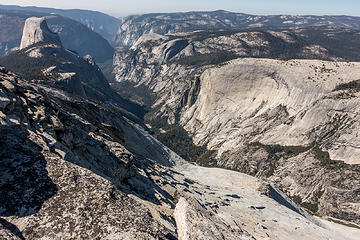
(249, 111)
(204, 125)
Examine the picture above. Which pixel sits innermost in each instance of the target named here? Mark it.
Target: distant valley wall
(261, 115)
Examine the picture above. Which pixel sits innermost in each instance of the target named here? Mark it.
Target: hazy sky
(126, 7)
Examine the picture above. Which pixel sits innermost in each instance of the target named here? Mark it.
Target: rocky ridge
(85, 171)
(46, 60)
(133, 27)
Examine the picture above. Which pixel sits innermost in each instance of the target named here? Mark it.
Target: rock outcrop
(62, 164)
(74, 168)
(73, 34)
(258, 115)
(36, 30)
(46, 60)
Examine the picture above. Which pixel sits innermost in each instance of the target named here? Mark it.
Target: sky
(120, 8)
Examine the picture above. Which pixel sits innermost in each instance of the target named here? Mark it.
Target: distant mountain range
(73, 34)
(164, 23)
(99, 22)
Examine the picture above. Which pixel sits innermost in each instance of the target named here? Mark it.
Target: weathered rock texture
(73, 168)
(261, 116)
(278, 102)
(78, 166)
(62, 163)
(36, 30)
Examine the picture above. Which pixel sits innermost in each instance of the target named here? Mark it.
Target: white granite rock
(36, 30)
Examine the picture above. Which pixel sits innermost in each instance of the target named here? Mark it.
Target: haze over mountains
(73, 35)
(99, 22)
(134, 26)
(269, 103)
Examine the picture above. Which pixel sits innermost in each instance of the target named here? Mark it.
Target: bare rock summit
(36, 30)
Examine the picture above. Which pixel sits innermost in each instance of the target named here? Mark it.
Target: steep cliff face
(73, 168)
(262, 116)
(277, 102)
(133, 27)
(73, 35)
(251, 105)
(46, 60)
(36, 30)
(147, 62)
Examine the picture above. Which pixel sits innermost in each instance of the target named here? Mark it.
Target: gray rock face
(74, 168)
(73, 34)
(145, 62)
(49, 62)
(276, 102)
(36, 30)
(243, 108)
(193, 222)
(65, 163)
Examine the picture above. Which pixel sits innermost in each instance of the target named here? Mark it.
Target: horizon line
(170, 12)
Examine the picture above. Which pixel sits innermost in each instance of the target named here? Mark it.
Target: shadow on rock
(11, 227)
(24, 181)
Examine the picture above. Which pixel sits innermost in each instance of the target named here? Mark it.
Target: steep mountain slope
(76, 169)
(74, 35)
(171, 65)
(101, 23)
(43, 58)
(133, 27)
(258, 115)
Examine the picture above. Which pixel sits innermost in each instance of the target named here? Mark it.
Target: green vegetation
(31, 68)
(141, 95)
(107, 68)
(313, 207)
(344, 223)
(276, 152)
(207, 159)
(326, 161)
(297, 199)
(289, 151)
(353, 86)
(173, 136)
(177, 139)
(176, 197)
(280, 49)
(214, 58)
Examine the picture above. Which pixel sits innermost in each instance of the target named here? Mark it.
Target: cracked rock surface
(75, 169)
